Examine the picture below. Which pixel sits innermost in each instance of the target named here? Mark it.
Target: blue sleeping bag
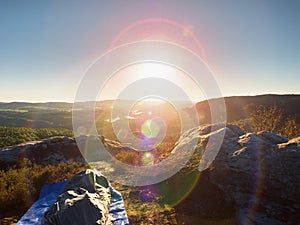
(48, 197)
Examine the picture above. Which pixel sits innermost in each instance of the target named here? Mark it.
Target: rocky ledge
(254, 176)
(59, 149)
(48, 151)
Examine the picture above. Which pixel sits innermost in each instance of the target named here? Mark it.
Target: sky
(46, 47)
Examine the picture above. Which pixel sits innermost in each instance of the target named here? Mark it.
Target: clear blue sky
(253, 47)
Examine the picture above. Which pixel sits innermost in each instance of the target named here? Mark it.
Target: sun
(143, 70)
(155, 69)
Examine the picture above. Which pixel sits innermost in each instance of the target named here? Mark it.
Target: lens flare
(148, 159)
(173, 196)
(161, 29)
(150, 129)
(144, 132)
(168, 194)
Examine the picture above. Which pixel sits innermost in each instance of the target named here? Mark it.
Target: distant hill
(59, 114)
(239, 107)
(36, 115)
(24, 105)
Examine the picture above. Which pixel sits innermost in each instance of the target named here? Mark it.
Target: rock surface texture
(60, 149)
(48, 151)
(258, 173)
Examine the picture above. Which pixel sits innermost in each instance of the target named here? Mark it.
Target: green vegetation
(13, 135)
(20, 187)
(36, 118)
(272, 119)
(14, 110)
(240, 107)
(128, 157)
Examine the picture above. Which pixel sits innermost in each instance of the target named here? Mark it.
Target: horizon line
(103, 100)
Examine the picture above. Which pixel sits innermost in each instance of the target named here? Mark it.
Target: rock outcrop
(258, 173)
(59, 149)
(48, 151)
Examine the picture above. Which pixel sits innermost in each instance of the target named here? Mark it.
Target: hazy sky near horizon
(253, 47)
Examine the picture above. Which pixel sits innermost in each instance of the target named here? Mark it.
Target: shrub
(128, 157)
(271, 119)
(20, 187)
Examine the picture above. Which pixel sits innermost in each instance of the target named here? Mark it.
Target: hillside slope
(239, 107)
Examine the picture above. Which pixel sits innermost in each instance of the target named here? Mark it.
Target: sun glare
(144, 70)
(148, 69)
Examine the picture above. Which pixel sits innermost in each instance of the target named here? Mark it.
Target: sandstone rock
(260, 173)
(48, 151)
(272, 137)
(61, 149)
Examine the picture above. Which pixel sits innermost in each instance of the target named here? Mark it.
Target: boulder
(258, 172)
